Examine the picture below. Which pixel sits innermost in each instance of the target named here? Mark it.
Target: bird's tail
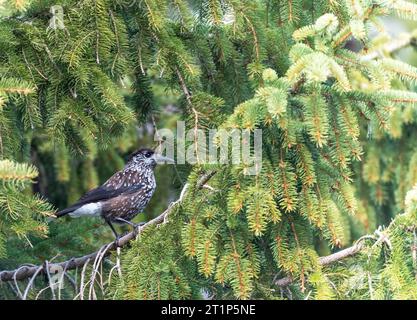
(64, 212)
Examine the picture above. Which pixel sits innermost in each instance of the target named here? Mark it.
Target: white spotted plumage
(123, 195)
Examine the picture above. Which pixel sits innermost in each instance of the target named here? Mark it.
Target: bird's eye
(148, 154)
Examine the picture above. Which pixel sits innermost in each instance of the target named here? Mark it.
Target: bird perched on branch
(123, 195)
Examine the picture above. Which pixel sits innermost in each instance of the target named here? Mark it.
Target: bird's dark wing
(100, 194)
(103, 193)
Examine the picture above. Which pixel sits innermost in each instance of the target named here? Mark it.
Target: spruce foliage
(338, 153)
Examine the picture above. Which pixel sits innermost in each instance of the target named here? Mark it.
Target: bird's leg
(115, 233)
(134, 225)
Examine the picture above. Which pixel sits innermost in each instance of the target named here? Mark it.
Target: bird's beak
(161, 159)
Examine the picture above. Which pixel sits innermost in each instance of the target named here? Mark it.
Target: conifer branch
(25, 271)
(390, 47)
(327, 260)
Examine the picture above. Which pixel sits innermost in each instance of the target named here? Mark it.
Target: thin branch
(96, 265)
(24, 272)
(31, 283)
(188, 97)
(82, 286)
(47, 268)
(327, 260)
(71, 281)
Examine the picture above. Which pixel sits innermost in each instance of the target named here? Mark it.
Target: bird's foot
(136, 228)
(117, 242)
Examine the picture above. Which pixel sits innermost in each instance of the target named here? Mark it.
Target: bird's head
(148, 158)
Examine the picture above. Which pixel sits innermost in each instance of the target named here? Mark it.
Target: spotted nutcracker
(123, 195)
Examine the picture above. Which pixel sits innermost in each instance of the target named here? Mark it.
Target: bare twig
(14, 278)
(96, 265)
(81, 293)
(116, 267)
(188, 97)
(25, 294)
(24, 271)
(46, 268)
(71, 281)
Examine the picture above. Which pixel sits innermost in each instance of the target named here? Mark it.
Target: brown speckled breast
(128, 204)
